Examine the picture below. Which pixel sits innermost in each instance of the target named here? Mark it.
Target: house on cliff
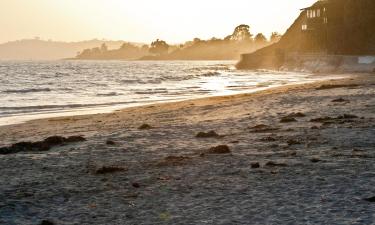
(330, 32)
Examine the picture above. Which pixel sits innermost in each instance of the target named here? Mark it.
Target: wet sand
(299, 154)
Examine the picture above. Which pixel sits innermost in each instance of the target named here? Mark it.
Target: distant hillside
(36, 49)
(228, 48)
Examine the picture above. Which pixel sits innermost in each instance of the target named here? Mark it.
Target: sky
(174, 21)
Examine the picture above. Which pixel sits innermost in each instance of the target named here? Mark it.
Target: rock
(255, 165)
(210, 134)
(109, 169)
(144, 127)
(275, 164)
(340, 100)
(371, 199)
(220, 149)
(287, 119)
(314, 128)
(47, 222)
(109, 142)
(136, 185)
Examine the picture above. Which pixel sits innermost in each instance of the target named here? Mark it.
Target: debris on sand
(297, 114)
(173, 161)
(268, 139)
(293, 142)
(287, 119)
(255, 165)
(315, 160)
(340, 100)
(261, 128)
(371, 199)
(275, 164)
(47, 222)
(110, 142)
(44, 145)
(109, 169)
(145, 126)
(210, 134)
(347, 116)
(332, 86)
(322, 119)
(220, 149)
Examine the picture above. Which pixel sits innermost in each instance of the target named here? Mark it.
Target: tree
(103, 48)
(241, 33)
(275, 37)
(159, 47)
(260, 39)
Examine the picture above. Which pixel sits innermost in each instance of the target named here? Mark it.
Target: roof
(316, 5)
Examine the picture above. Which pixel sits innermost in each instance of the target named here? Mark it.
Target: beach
(295, 154)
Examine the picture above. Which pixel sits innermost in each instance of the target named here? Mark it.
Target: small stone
(210, 134)
(298, 114)
(293, 142)
(220, 149)
(315, 160)
(268, 139)
(144, 127)
(46, 222)
(275, 164)
(110, 142)
(340, 100)
(109, 169)
(255, 165)
(371, 199)
(75, 139)
(287, 119)
(136, 185)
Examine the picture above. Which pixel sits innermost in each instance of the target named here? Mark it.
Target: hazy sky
(142, 20)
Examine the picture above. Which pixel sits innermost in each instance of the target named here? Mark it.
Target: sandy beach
(297, 154)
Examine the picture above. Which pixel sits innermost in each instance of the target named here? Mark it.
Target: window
(325, 20)
(313, 13)
(304, 27)
(318, 13)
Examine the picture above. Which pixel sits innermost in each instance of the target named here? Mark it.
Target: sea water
(39, 89)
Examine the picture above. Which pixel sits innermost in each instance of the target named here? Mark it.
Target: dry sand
(309, 172)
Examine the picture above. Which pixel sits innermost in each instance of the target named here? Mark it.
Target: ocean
(40, 89)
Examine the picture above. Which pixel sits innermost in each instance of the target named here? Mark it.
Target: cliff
(350, 32)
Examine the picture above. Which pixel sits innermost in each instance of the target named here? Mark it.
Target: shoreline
(293, 154)
(100, 112)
